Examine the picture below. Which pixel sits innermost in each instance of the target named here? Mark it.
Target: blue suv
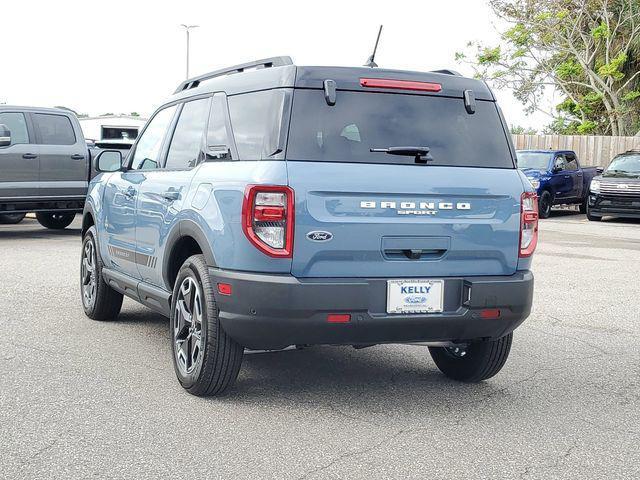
(268, 205)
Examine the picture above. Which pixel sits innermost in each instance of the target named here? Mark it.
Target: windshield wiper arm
(421, 154)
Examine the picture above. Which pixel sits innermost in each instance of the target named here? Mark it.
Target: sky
(114, 56)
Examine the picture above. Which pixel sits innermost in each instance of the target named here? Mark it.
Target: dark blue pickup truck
(557, 177)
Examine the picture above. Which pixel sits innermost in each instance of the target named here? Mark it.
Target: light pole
(186, 29)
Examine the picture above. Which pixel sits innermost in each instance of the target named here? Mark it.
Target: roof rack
(256, 64)
(446, 71)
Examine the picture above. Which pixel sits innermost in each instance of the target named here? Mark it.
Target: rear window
(359, 121)
(54, 129)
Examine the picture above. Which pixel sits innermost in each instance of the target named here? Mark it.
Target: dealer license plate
(415, 296)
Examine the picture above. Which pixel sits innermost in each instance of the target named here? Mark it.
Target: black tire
(55, 220)
(475, 362)
(583, 205)
(544, 204)
(11, 218)
(104, 303)
(206, 360)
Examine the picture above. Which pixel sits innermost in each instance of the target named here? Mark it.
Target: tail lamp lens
(267, 218)
(528, 224)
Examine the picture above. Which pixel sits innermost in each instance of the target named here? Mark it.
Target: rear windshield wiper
(421, 154)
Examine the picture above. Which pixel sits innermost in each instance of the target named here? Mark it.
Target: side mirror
(109, 161)
(5, 136)
(556, 169)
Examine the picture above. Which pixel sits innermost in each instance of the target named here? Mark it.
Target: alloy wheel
(88, 274)
(187, 331)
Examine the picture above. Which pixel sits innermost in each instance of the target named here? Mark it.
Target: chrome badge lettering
(416, 208)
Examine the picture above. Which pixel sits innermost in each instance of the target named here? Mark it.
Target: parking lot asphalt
(82, 399)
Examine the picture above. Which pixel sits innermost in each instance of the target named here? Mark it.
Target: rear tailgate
(360, 213)
(457, 221)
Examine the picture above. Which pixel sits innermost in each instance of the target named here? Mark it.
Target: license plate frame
(417, 300)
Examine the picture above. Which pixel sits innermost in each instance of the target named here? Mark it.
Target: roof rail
(446, 71)
(256, 64)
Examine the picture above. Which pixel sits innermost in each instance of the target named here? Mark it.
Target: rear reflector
(490, 313)
(338, 318)
(400, 84)
(224, 289)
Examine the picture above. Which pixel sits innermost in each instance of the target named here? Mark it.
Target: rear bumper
(274, 311)
(617, 206)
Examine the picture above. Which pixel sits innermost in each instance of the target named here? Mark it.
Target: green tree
(520, 130)
(588, 50)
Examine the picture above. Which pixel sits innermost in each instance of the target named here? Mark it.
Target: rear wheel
(99, 300)
(544, 204)
(11, 218)
(583, 205)
(206, 360)
(473, 362)
(55, 220)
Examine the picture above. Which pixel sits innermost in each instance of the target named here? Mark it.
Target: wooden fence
(591, 150)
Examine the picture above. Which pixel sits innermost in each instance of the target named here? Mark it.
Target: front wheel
(206, 360)
(473, 362)
(99, 300)
(55, 220)
(544, 204)
(11, 218)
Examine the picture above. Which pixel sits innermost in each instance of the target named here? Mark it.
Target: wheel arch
(186, 239)
(88, 218)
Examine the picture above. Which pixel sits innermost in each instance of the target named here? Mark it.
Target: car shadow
(352, 383)
(620, 220)
(31, 229)
(564, 213)
(45, 233)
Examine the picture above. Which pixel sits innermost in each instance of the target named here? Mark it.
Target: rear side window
(186, 144)
(17, 125)
(54, 129)
(256, 119)
(360, 121)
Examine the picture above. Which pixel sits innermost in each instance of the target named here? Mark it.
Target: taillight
(528, 224)
(267, 218)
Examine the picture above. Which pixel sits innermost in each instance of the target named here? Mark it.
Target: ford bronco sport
(268, 205)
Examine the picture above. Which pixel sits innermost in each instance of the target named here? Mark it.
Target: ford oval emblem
(319, 236)
(415, 299)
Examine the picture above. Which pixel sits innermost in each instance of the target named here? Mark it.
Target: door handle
(567, 176)
(77, 156)
(130, 192)
(171, 195)
(29, 156)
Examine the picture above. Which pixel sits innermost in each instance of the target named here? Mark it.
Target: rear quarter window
(360, 121)
(256, 121)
